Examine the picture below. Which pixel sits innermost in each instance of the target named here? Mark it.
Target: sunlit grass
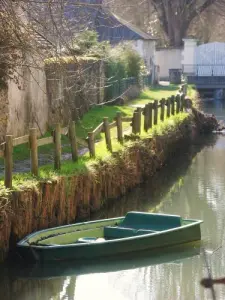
(95, 116)
(191, 91)
(157, 93)
(193, 94)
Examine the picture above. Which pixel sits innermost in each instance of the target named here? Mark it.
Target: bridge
(205, 76)
(208, 70)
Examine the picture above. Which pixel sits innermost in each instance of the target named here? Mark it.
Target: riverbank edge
(73, 198)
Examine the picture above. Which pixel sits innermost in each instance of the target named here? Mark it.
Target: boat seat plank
(158, 222)
(121, 232)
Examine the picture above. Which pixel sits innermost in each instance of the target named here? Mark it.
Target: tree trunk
(175, 16)
(177, 29)
(179, 33)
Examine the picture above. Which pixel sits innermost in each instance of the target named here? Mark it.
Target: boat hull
(184, 234)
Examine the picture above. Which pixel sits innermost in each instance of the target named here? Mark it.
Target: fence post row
(119, 127)
(8, 160)
(33, 151)
(107, 134)
(73, 141)
(57, 143)
(155, 112)
(149, 118)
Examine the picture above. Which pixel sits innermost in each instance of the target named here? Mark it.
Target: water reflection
(192, 186)
(110, 277)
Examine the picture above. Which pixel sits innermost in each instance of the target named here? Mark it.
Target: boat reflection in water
(109, 264)
(56, 279)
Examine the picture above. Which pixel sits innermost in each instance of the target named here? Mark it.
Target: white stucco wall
(146, 49)
(168, 59)
(188, 56)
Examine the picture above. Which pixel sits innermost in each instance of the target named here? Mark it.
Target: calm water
(193, 187)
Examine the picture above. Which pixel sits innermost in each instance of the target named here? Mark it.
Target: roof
(92, 15)
(137, 33)
(110, 27)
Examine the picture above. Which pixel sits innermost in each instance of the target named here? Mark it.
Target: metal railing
(115, 88)
(204, 69)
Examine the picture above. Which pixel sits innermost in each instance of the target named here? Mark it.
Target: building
(77, 16)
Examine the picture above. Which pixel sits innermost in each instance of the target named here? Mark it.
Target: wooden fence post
(73, 141)
(107, 134)
(172, 101)
(139, 111)
(150, 106)
(178, 104)
(146, 117)
(135, 123)
(91, 144)
(119, 125)
(155, 112)
(162, 114)
(8, 160)
(182, 102)
(57, 142)
(33, 151)
(168, 107)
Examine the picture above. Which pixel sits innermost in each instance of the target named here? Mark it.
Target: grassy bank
(193, 94)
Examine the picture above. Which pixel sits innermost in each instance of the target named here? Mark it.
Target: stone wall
(40, 101)
(73, 88)
(27, 103)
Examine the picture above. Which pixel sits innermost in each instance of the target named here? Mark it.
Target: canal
(192, 186)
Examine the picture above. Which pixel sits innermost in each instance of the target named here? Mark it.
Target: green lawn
(157, 93)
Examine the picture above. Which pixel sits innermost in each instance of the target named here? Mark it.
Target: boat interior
(134, 224)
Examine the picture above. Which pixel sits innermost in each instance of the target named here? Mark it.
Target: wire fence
(115, 88)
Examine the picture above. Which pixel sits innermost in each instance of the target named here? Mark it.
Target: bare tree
(46, 35)
(175, 16)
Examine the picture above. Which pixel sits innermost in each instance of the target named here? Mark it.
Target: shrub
(86, 43)
(122, 62)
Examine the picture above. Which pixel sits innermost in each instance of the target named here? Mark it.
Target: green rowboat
(89, 240)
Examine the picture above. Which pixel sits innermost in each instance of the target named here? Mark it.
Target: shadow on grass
(86, 124)
(46, 173)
